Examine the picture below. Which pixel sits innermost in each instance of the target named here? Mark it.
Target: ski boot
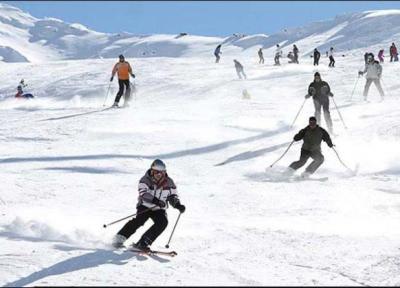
(118, 241)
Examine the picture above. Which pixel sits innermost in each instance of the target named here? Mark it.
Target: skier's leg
(304, 155)
(120, 91)
(127, 92)
(327, 114)
(131, 226)
(366, 88)
(244, 74)
(318, 160)
(160, 220)
(317, 106)
(378, 85)
(238, 73)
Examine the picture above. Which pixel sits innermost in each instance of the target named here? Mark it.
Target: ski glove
(133, 75)
(180, 207)
(307, 96)
(158, 202)
(360, 73)
(112, 78)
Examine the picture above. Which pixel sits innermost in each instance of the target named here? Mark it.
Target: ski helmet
(121, 57)
(158, 165)
(312, 118)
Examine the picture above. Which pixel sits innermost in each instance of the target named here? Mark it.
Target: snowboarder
(331, 59)
(295, 54)
(278, 54)
(217, 52)
(374, 73)
(124, 69)
(20, 93)
(312, 136)
(261, 56)
(156, 190)
(380, 56)
(239, 69)
(320, 91)
(393, 53)
(317, 55)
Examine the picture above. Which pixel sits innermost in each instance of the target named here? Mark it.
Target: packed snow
(68, 167)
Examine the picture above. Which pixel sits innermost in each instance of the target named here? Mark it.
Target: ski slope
(68, 168)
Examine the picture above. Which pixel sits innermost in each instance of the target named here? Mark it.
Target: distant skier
(217, 51)
(124, 69)
(374, 74)
(320, 91)
(393, 53)
(295, 54)
(366, 57)
(20, 93)
(261, 56)
(317, 55)
(312, 136)
(156, 190)
(380, 56)
(331, 59)
(239, 69)
(278, 54)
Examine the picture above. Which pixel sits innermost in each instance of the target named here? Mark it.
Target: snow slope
(68, 168)
(28, 39)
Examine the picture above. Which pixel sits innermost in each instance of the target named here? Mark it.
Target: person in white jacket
(374, 74)
(278, 54)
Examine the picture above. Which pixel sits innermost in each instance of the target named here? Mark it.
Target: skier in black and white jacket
(156, 190)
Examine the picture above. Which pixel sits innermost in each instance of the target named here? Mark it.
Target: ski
(299, 178)
(153, 252)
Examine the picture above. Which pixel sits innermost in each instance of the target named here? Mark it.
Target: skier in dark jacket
(317, 55)
(156, 190)
(320, 91)
(261, 56)
(312, 136)
(217, 51)
(331, 59)
(239, 69)
(295, 54)
(393, 53)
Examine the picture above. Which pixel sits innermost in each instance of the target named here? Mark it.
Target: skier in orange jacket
(123, 68)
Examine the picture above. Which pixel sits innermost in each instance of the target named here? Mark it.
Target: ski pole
(337, 154)
(172, 233)
(287, 149)
(354, 88)
(298, 112)
(119, 220)
(337, 109)
(108, 90)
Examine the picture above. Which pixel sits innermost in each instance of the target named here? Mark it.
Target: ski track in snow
(68, 168)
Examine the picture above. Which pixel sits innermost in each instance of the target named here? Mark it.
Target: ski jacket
(330, 53)
(312, 138)
(148, 190)
(238, 66)
(317, 55)
(380, 54)
(295, 50)
(373, 70)
(260, 53)
(319, 92)
(217, 50)
(123, 69)
(278, 51)
(393, 50)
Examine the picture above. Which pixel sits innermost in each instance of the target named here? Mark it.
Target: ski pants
(261, 60)
(121, 84)
(217, 58)
(239, 72)
(377, 83)
(332, 61)
(277, 60)
(315, 155)
(316, 61)
(296, 58)
(159, 218)
(324, 103)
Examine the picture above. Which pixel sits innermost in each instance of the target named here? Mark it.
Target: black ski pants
(331, 61)
(315, 155)
(127, 85)
(323, 102)
(240, 72)
(159, 218)
(217, 57)
(316, 61)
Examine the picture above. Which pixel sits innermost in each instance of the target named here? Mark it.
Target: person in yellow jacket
(123, 68)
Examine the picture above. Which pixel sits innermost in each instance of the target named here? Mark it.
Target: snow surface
(68, 168)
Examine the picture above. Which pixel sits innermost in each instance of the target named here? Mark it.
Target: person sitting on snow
(20, 93)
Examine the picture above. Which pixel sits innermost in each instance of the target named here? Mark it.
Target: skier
(291, 57)
(317, 55)
(331, 59)
(320, 91)
(312, 136)
(393, 53)
(156, 190)
(217, 52)
(124, 69)
(239, 69)
(278, 54)
(296, 54)
(20, 93)
(366, 57)
(380, 56)
(261, 56)
(374, 73)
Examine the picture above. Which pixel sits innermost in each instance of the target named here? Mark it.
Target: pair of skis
(153, 252)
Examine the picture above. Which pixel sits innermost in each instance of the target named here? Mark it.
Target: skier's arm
(299, 135)
(173, 199)
(146, 196)
(327, 138)
(130, 70)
